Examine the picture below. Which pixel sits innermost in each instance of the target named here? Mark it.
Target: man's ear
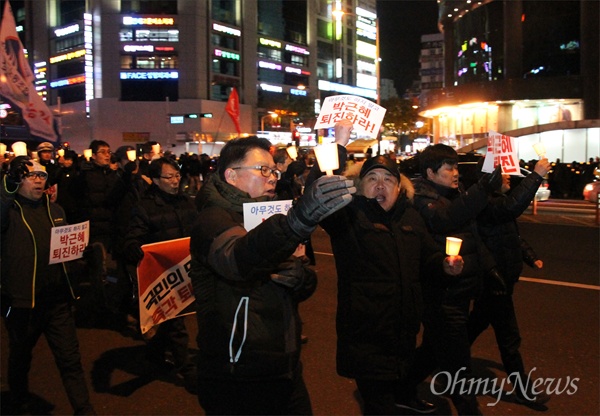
(430, 173)
(230, 176)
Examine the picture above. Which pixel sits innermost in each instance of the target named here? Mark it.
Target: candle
(34, 155)
(19, 148)
(327, 156)
(131, 155)
(87, 153)
(2, 149)
(540, 150)
(453, 246)
(61, 152)
(156, 149)
(292, 152)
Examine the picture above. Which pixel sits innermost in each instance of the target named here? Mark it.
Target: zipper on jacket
(243, 304)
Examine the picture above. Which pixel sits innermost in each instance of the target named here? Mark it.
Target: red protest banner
(164, 286)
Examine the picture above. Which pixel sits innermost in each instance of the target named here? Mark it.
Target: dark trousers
(56, 322)
(379, 396)
(446, 347)
(172, 336)
(499, 311)
(255, 397)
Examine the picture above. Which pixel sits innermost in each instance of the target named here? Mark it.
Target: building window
(132, 90)
(149, 6)
(149, 62)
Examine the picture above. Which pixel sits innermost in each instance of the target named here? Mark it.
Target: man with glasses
(36, 296)
(163, 213)
(100, 191)
(248, 284)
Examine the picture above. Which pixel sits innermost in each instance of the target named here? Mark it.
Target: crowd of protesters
(131, 199)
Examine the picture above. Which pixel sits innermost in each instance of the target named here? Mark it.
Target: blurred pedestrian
(45, 153)
(248, 285)
(65, 177)
(499, 231)
(163, 213)
(37, 296)
(381, 247)
(449, 210)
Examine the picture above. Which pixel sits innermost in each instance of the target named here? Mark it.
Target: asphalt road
(558, 310)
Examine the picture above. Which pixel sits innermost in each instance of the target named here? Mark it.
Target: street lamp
(271, 114)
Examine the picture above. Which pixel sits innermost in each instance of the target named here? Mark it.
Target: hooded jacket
(248, 325)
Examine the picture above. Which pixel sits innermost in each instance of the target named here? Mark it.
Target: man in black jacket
(37, 297)
(449, 210)
(248, 284)
(499, 231)
(161, 214)
(381, 247)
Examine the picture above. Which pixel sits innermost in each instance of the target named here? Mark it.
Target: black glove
(325, 196)
(296, 275)
(18, 169)
(134, 253)
(495, 283)
(491, 182)
(130, 167)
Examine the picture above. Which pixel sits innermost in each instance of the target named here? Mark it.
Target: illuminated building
(123, 70)
(528, 69)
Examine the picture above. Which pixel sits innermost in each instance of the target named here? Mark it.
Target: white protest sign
(501, 150)
(366, 116)
(257, 212)
(67, 242)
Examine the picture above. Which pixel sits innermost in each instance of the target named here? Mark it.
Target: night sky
(401, 24)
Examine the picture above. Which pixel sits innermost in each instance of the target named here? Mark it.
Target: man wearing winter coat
(449, 210)
(37, 296)
(381, 247)
(499, 231)
(248, 284)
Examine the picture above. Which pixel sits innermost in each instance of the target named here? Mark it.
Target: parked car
(590, 191)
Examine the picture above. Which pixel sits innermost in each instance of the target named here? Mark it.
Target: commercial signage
(140, 75)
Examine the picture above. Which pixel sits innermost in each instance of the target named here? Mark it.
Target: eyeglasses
(34, 175)
(264, 170)
(176, 176)
(104, 152)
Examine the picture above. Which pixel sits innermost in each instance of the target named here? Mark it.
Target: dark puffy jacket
(248, 325)
(499, 231)
(100, 190)
(20, 286)
(378, 258)
(159, 216)
(452, 212)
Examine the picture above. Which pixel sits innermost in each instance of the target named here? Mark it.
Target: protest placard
(501, 150)
(67, 242)
(257, 212)
(366, 116)
(164, 285)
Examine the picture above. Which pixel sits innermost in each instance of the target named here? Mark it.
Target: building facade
(128, 71)
(524, 68)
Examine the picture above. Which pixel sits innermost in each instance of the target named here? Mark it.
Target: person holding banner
(248, 284)
(449, 210)
(163, 213)
(498, 228)
(381, 246)
(37, 297)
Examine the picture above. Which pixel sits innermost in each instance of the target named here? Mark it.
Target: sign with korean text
(67, 242)
(501, 150)
(257, 212)
(365, 115)
(164, 285)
